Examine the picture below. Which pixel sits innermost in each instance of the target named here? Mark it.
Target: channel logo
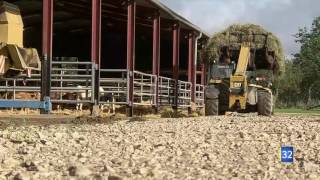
(286, 154)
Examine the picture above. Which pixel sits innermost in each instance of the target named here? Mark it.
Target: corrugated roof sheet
(178, 17)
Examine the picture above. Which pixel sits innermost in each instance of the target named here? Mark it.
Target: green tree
(308, 61)
(287, 91)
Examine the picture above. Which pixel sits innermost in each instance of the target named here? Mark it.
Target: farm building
(123, 52)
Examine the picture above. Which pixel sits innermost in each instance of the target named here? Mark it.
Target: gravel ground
(239, 147)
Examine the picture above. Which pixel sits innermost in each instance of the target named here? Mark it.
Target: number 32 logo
(286, 154)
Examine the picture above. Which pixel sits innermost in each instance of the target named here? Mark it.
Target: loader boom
(243, 60)
(238, 82)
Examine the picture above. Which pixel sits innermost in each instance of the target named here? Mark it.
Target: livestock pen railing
(114, 86)
(200, 99)
(67, 80)
(184, 94)
(166, 90)
(72, 82)
(144, 88)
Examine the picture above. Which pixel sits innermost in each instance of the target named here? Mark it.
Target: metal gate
(166, 90)
(113, 86)
(73, 83)
(184, 94)
(200, 99)
(144, 89)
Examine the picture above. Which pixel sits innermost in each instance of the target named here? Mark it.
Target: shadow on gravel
(137, 119)
(98, 120)
(40, 120)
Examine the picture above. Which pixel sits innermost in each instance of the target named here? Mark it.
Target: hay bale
(232, 37)
(168, 112)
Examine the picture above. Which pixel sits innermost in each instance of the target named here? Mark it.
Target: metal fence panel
(144, 89)
(113, 86)
(184, 94)
(200, 99)
(72, 82)
(166, 90)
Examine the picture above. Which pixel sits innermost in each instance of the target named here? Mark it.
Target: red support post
(156, 56)
(131, 53)
(96, 46)
(175, 58)
(192, 65)
(47, 29)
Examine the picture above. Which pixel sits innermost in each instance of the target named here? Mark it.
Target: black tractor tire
(212, 107)
(265, 103)
(223, 99)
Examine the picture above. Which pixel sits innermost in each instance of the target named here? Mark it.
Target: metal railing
(73, 82)
(200, 99)
(69, 81)
(144, 88)
(10, 89)
(184, 94)
(166, 90)
(114, 86)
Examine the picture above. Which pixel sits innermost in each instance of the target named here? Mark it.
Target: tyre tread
(265, 103)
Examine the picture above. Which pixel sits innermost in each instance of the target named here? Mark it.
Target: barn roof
(76, 14)
(176, 16)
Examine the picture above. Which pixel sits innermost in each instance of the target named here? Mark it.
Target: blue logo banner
(286, 154)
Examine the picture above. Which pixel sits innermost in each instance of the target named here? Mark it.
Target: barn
(123, 52)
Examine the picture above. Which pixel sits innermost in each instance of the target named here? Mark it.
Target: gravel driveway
(239, 147)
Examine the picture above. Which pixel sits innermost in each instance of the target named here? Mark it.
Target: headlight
(261, 79)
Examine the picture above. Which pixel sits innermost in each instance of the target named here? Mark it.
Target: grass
(297, 111)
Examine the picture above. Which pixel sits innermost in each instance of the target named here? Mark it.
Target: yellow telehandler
(241, 79)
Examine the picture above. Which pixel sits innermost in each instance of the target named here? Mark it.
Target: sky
(282, 17)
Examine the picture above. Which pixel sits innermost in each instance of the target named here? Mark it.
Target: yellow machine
(240, 81)
(14, 59)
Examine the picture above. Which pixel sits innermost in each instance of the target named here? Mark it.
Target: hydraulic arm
(238, 81)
